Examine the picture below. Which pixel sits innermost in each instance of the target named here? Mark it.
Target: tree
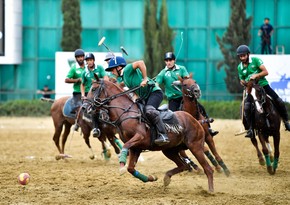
(237, 33)
(158, 36)
(71, 30)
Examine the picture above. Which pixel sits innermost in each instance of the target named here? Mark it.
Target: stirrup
(161, 139)
(76, 127)
(250, 134)
(96, 132)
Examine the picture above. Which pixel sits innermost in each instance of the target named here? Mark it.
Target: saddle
(67, 108)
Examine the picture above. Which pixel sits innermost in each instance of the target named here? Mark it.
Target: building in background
(198, 20)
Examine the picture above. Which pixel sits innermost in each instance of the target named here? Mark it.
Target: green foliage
(71, 31)
(237, 33)
(158, 36)
(25, 108)
(38, 108)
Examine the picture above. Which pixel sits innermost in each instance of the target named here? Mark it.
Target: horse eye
(93, 89)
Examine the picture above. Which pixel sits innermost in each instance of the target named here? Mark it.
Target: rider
(170, 74)
(253, 68)
(133, 75)
(74, 76)
(87, 79)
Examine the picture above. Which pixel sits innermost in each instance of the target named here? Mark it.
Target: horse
(137, 133)
(62, 117)
(266, 122)
(189, 92)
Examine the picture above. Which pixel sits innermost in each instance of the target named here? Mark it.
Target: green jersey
(75, 72)
(133, 78)
(168, 76)
(245, 72)
(88, 76)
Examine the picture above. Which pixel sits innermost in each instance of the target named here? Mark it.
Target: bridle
(103, 104)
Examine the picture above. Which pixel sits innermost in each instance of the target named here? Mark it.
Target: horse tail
(47, 100)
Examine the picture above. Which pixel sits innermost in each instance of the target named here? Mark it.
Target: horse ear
(179, 78)
(97, 77)
(190, 75)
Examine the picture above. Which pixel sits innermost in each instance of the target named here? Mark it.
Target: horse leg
(181, 165)
(269, 149)
(134, 154)
(266, 153)
(106, 148)
(259, 153)
(115, 142)
(199, 155)
(211, 144)
(124, 152)
(56, 136)
(188, 161)
(212, 159)
(276, 140)
(87, 141)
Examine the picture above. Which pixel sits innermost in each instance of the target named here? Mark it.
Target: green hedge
(36, 108)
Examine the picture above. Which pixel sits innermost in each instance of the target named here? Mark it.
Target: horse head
(258, 94)
(189, 87)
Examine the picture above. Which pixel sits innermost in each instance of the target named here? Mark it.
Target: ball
(23, 178)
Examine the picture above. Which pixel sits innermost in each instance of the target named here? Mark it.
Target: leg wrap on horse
(154, 116)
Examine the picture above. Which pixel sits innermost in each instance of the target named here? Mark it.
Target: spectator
(266, 31)
(46, 92)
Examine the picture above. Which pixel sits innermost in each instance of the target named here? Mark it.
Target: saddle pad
(67, 109)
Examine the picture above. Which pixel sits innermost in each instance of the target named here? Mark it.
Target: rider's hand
(144, 82)
(243, 83)
(254, 76)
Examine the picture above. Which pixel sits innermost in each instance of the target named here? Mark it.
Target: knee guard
(151, 113)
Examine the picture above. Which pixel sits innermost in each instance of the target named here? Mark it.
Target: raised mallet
(101, 42)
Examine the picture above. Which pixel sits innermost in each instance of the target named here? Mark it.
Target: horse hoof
(227, 172)
(166, 180)
(262, 162)
(123, 170)
(92, 157)
(219, 169)
(57, 157)
(152, 178)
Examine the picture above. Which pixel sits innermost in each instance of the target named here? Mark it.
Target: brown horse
(61, 120)
(137, 134)
(266, 122)
(190, 105)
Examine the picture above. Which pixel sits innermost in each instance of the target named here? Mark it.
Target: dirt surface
(27, 146)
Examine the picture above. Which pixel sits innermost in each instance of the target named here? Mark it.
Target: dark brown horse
(266, 122)
(61, 120)
(190, 105)
(137, 134)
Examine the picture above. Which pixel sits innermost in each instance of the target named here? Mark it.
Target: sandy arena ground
(27, 146)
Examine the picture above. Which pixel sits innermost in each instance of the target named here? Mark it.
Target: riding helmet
(169, 55)
(243, 49)
(109, 56)
(115, 62)
(79, 52)
(89, 56)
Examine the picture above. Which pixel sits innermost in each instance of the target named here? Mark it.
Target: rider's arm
(263, 73)
(141, 65)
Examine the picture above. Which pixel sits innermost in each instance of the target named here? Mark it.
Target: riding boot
(162, 137)
(248, 117)
(280, 105)
(212, 132)
(153, 116)
(96, 131)
(76, 125)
